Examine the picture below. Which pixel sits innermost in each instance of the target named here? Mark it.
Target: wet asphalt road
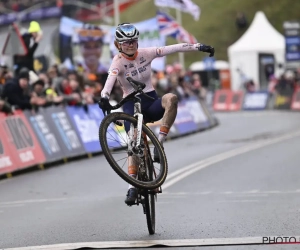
(254, 194)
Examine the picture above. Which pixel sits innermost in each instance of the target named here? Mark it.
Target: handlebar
(138, 86)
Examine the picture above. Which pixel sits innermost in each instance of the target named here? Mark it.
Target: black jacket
(15, 95)
(26, 61)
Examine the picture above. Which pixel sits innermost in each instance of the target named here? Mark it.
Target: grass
(216, 25)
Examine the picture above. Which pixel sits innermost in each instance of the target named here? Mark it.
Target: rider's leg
(165, 109)
(169, 102)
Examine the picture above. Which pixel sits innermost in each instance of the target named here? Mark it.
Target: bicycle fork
(136, 145)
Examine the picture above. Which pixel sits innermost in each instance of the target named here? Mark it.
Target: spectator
(16, 92)
(177, 89)
(250, 86)
(5, 107)
(27, 61)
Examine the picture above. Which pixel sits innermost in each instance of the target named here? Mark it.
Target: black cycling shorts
(151, 109)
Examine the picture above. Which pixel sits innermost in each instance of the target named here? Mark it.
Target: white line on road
(149, 243)
(250, 195)
(31, 201)
(238, 201)
(11, 205)
(182, 173)
(229, 193)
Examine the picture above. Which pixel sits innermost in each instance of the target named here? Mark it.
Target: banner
(116, 134)
(45, 135)
(236, 100)
(149, 37)
(84, 46)
(65, 133)
(184, 121)
(292, 41)
(22, 141)
(256, 100)
(87, 128)
(7, 160)
(221, 100)
(38, 14)
(182, 5)
(50, 135)
(198, 115)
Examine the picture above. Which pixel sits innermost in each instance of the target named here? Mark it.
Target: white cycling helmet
(125, 32)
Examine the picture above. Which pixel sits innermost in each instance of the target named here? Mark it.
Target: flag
(169, 27)
(182, 5)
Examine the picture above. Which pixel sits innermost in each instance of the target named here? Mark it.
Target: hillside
(216, 25)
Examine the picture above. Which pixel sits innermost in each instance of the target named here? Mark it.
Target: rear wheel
(114, 143)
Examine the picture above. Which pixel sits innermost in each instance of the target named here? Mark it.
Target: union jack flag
(169, 27)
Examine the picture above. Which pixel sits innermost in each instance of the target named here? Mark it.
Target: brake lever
(116, 122)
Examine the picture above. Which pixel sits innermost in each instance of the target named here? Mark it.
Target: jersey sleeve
(110, 81)
(181, 47)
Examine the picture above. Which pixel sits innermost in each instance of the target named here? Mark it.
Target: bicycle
(140, 138)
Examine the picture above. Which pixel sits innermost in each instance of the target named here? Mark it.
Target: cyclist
(136, 63)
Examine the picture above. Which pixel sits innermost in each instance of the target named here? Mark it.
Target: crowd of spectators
(59, 86)
(7, 6)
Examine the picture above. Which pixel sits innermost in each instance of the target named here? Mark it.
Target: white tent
(260, 38)
(200, 66)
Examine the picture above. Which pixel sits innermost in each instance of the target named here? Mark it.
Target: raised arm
(184, 47)
(110, 82)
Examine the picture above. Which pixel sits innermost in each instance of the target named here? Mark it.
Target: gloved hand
(104, 103)
(207, 48)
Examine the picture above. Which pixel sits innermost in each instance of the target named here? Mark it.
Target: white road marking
(207, 192)
(149, 243)
(275, 192)
(238, 201)
(227, 192)
(230, 193)
(253, 191)
(254, 114)
(182, 173)
(250, 195)
(12, 205)
(31, 201)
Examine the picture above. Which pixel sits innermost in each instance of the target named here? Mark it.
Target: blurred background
(237, 178)
(256, 42)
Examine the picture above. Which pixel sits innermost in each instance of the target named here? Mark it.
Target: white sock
(163, 132)
(133, 176)
(162, 137)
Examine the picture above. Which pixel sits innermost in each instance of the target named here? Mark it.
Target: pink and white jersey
(139, 67)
